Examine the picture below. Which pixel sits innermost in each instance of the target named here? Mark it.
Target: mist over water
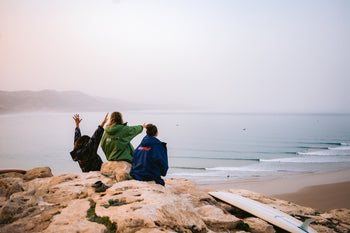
(242, 56)
(201, 146)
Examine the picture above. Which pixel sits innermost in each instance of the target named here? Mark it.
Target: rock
(259, 226)
(341, 215)
(26, 213)
(154, 230)
(342, 228)
(119, 170)
(148, 205)
(322, 229)
(73, 219)
(189, 188)
(39, 172)
(64, 188)
(11, 174)
(216, 219)
(10, 185)
(2, 201)
(41, 199)
(62, 204)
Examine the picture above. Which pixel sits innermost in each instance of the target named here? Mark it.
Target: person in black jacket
(85, 148)
(150, 160)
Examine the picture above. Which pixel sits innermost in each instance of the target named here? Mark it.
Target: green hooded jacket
(116, 144)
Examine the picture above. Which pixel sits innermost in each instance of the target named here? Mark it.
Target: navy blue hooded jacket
(87, 156)
(150, 160)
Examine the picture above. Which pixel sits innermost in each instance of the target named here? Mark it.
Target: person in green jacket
(115, 142)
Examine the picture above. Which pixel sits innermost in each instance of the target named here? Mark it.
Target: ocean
(204, 147)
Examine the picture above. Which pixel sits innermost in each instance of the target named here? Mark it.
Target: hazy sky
(227, 55)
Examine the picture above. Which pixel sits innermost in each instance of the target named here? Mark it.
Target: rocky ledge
(39, 202)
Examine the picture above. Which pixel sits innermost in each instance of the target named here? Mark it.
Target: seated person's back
(116, 140)
(150, 160)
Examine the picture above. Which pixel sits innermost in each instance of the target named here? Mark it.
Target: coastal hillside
(37, 201)
(57, 101)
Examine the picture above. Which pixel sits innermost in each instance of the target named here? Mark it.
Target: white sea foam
(343, 147)
(244, 168)
(343, 150)
(201, 174)
(325, 153)
(311, 159)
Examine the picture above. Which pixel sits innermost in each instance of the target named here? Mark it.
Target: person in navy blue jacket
(150, 160)
(85, 148)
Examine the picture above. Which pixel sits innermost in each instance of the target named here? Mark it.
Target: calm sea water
(205, 147)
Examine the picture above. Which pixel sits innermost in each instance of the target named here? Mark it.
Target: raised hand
(105, 120)
(77, 119)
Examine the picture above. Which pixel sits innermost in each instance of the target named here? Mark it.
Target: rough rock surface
(39, 172)
(259, 226)
(69, 203)
(118, 170)
(73, 219)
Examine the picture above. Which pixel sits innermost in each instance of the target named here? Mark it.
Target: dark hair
(81, 141)
(151, 130)
(116, 119)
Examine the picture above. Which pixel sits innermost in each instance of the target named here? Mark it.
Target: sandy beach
(322, 191)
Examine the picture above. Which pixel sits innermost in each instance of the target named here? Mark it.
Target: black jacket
(87, 156)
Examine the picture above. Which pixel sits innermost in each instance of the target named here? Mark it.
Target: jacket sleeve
(95, 139)
(98, 134)
(133, 131)
(77, 134)
(162, 159)
(91, 147)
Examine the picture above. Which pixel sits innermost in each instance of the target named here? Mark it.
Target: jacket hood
(149, 140)
(114, 129)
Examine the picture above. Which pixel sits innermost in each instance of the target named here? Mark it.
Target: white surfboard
(265, 212)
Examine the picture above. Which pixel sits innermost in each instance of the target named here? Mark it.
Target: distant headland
(59, 101)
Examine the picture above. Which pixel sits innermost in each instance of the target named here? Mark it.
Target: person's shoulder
(152, 138)
(157, 142)
(112, 127)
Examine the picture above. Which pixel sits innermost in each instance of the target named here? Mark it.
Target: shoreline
(322, 197)
(322, 191)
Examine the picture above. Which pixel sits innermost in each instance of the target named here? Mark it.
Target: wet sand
(321, 197)
(323, 191)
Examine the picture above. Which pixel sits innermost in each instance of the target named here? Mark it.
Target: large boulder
(39, 172)
(118, 170)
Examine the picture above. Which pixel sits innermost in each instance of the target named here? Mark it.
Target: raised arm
(104, 120)
(77, 120)
(96, 137)
(92, 145)
(77, 132)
